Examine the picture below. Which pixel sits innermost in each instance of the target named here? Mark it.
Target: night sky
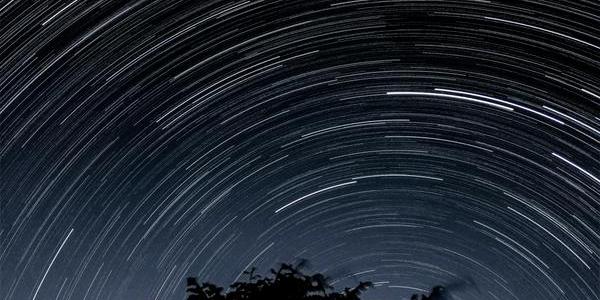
(410, 143)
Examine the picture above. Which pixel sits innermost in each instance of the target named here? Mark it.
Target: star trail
(409, 143)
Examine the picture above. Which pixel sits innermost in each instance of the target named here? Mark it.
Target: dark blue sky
(410, 143)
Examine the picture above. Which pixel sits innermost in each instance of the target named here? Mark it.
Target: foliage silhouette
(287, 283)
(437, 293)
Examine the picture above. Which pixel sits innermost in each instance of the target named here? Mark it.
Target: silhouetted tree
(290, 283)
(445, 292)
(286, 283)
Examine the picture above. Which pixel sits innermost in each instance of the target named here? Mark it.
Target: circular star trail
(410, 143)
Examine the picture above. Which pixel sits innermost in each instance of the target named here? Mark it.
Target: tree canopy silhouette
(286, 283)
